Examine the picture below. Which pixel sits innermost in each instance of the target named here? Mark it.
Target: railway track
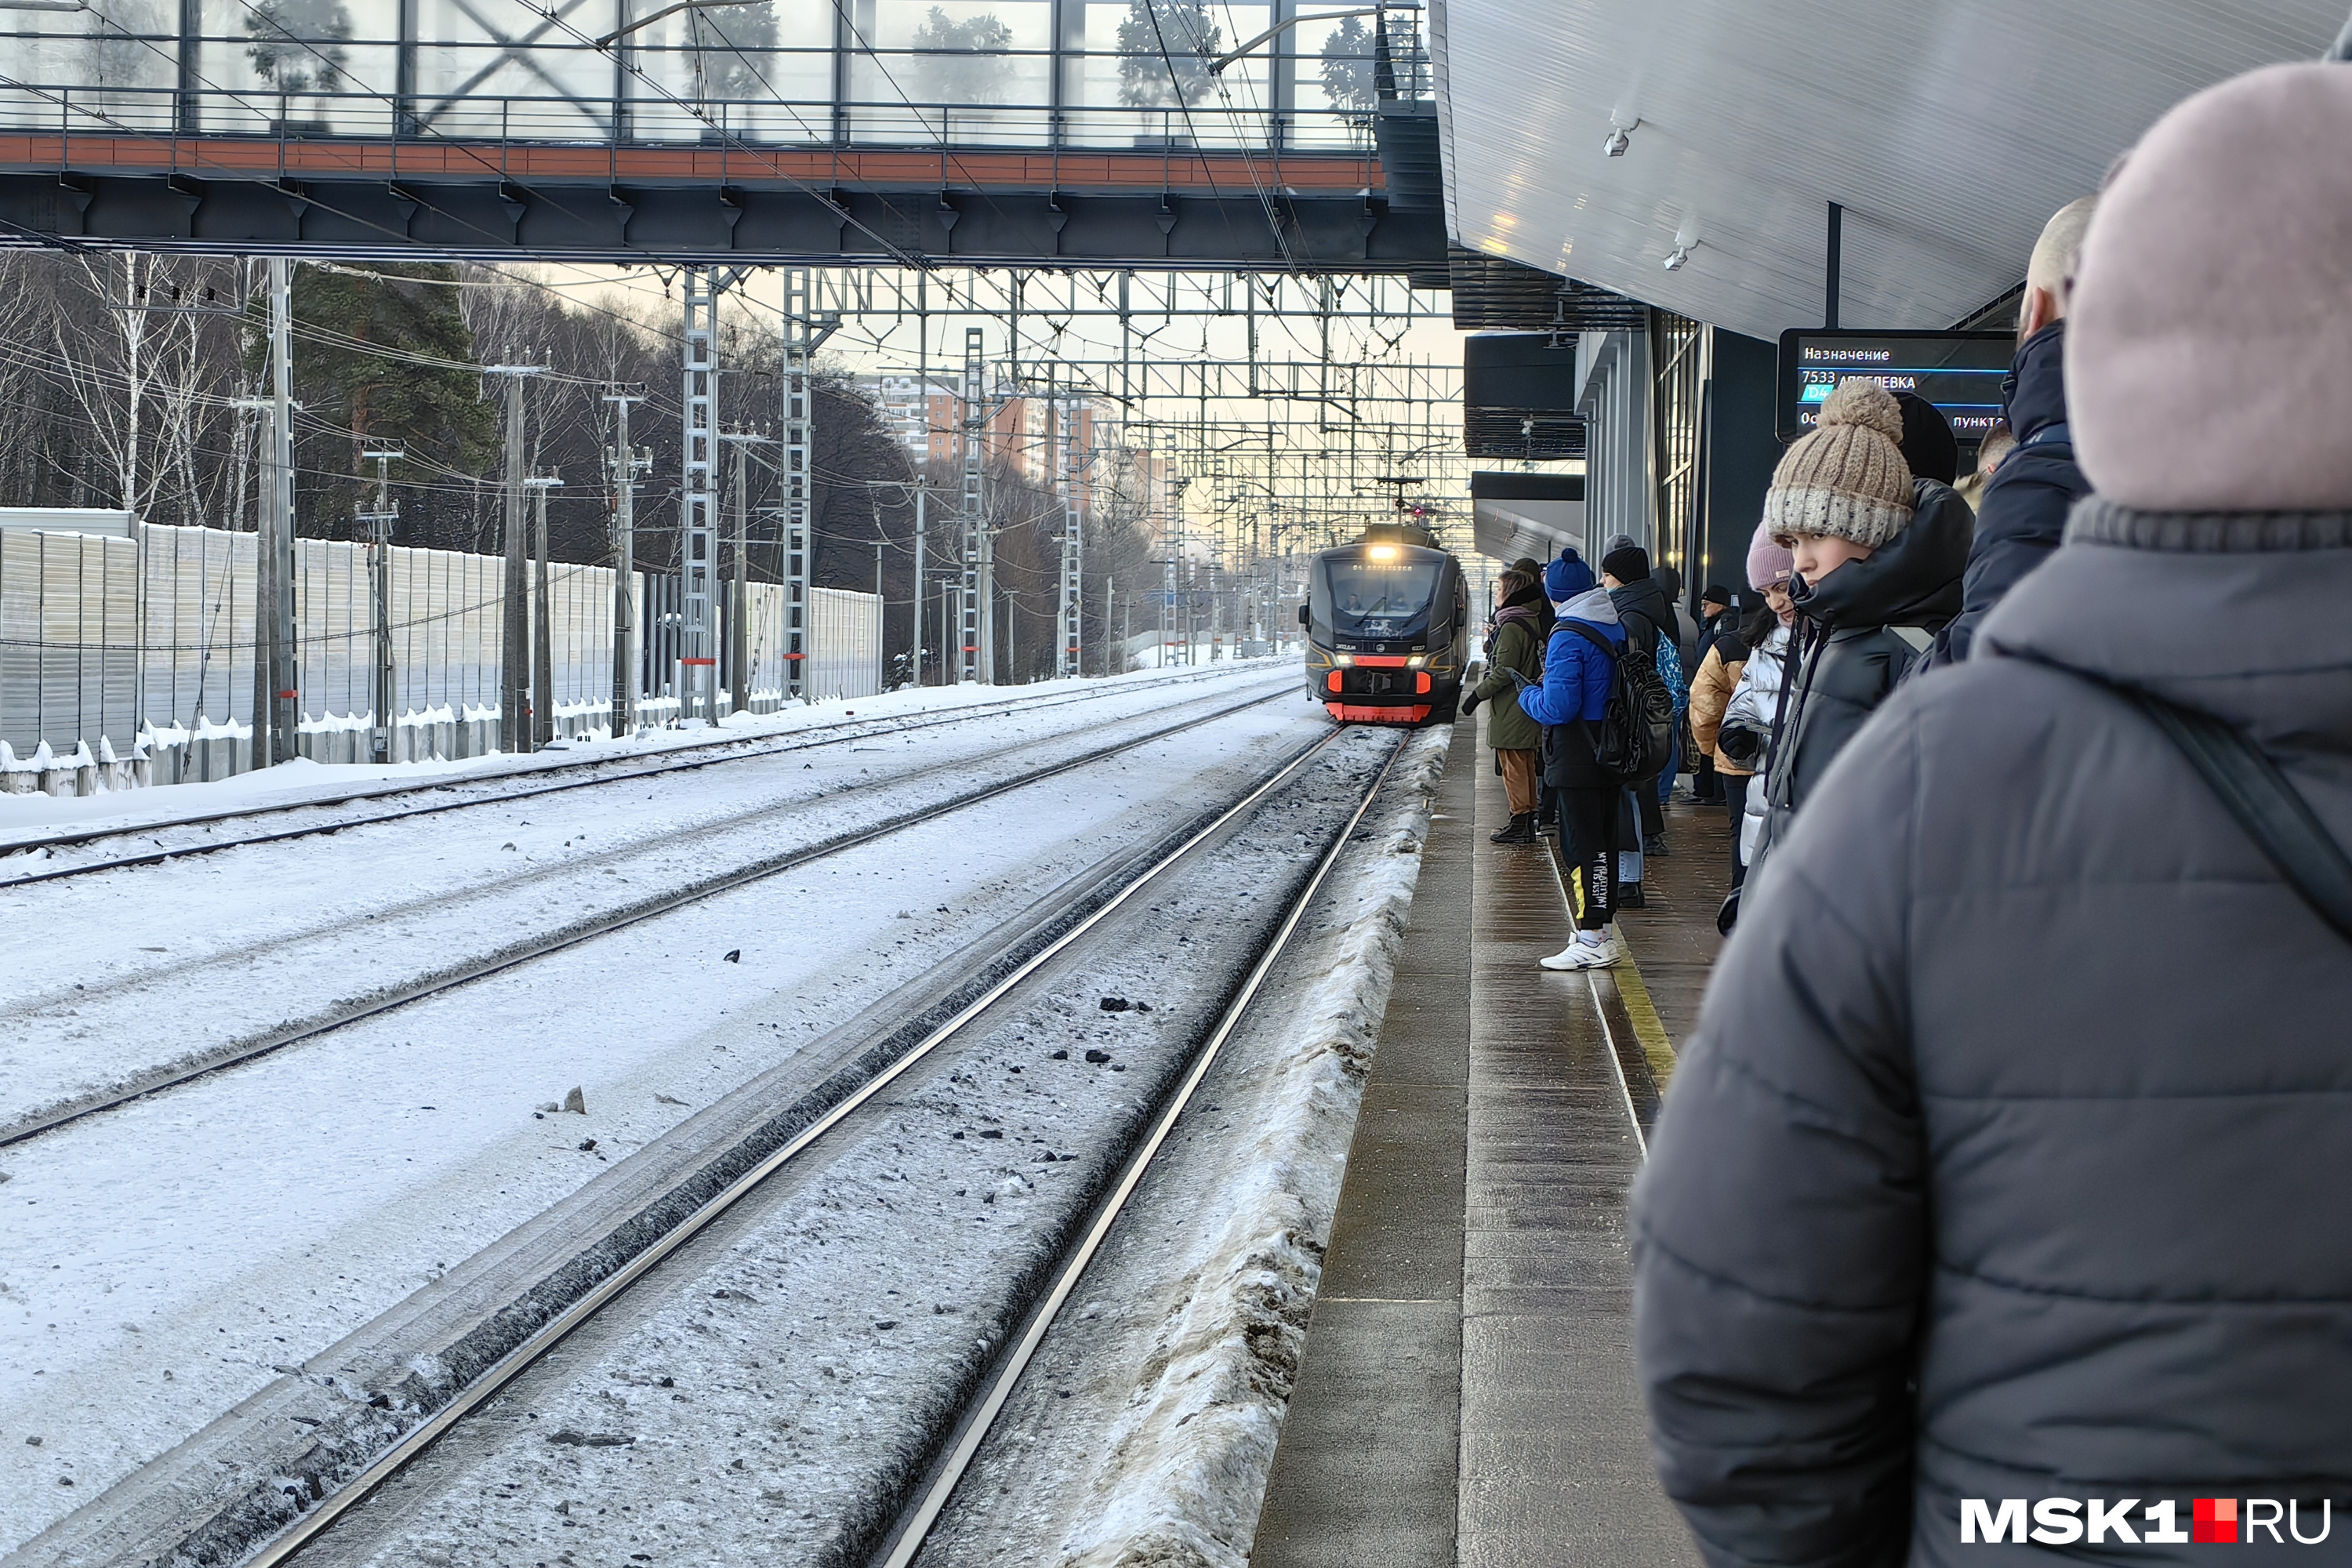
(607, 771)
(337, 1505)
(923, 1510)
(512, 954)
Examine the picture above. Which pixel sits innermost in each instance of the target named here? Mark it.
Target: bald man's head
(2051, 267)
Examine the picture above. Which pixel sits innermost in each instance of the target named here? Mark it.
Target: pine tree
(383, 358)
(1164, 50)
(967, 61)
(1348, 67)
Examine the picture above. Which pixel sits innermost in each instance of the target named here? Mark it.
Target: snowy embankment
(166, 1262)
(1189, 1344)
(301, 782)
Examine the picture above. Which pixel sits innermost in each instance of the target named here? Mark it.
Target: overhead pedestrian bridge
(1034, 132)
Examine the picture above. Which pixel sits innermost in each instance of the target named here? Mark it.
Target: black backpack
(1636, 732)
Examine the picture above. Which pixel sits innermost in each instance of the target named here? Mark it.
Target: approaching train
(1387, 623)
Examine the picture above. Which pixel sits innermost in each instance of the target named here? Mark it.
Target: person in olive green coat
(1515, 647)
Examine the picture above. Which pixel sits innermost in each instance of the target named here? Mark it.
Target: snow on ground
(1144, 1431)
(769, 1397)
(161, 1259)
(107, 978)
(301, 782)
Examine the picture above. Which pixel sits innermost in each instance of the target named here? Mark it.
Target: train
(1387, 621)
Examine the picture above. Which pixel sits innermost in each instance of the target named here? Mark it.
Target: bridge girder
(546, 202)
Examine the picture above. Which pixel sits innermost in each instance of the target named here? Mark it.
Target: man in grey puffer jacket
(2007, 1162)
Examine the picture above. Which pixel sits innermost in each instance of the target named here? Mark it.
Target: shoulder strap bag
(2251, 787)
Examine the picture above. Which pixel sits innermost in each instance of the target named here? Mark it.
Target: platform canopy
(1949, 131)
(1529, 514)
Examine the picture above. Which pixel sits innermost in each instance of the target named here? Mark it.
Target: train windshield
(1382, 601)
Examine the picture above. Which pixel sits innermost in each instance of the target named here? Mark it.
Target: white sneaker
(1581, 954)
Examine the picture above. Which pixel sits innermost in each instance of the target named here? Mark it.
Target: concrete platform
(1467, 1395)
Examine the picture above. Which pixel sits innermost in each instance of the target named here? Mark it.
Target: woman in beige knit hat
(1878, 551)
(1844, 489)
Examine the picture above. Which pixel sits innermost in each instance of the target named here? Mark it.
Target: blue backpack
(1670, 670)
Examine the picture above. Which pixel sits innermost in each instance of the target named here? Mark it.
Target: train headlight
(1383, 552)
(1344, 660)
(1416, 661)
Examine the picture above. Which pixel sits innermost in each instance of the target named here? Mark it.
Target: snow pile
(1180, 1480)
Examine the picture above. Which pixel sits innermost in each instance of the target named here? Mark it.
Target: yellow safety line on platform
(1648, 1027)
(1640, 1011)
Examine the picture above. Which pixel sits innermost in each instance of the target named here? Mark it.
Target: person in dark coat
(2022, 513)
(1715, 618)
(1648, 617)
(2004, 1165)
(1513, 658)
(1579, 672)
(1716, 615)
(1670, 584)
(1878, 553)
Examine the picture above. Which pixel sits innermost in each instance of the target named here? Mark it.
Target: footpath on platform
(1467, 1393)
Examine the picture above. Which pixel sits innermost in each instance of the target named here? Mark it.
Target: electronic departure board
(1959, 373)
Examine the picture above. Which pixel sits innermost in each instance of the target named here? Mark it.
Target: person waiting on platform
(1752, 715)
(2021, 518)
(1996, 1197)
(1514, 653)
(1580, 670)
(1651, 627)
(1715, 619)
(1878, 547)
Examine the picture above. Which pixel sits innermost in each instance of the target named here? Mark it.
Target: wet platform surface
(1467, 1392)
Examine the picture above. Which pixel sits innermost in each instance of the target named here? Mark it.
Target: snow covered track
(326, 813)
(924, 1508)
(258, 1010)
(393, 1537)
(191, 1252)
(776, 1388)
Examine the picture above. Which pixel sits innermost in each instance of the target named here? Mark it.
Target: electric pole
(514, 639)
(738, 591)
(698, 684)
(976, 660)
(1070, 609)
(274, 558)
(922, 491)
(543, 619)
(626, 465)
(379, 521)
(804, 330)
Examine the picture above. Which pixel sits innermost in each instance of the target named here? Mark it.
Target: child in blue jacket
(1580, 670)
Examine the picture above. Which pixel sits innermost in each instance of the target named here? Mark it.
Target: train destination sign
(1959, 373)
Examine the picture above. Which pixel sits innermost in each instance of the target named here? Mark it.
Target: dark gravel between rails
(786, 1297)
(218, 1495)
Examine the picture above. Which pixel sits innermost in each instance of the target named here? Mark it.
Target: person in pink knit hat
(1998, 1196)
(1743, 728)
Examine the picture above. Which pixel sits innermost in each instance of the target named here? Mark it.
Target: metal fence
(112, 649)
(69, 641)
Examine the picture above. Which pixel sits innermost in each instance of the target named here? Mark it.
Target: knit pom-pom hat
(1767, 560)
(1847, 480)
(1567, 576)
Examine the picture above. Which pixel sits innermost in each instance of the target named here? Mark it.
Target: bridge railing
(1108, 75)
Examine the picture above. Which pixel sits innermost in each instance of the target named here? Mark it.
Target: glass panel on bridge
(1124, 75)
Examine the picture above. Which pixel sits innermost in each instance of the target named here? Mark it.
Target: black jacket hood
(1646, 599)
(2034, 392)
(1914, 579)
